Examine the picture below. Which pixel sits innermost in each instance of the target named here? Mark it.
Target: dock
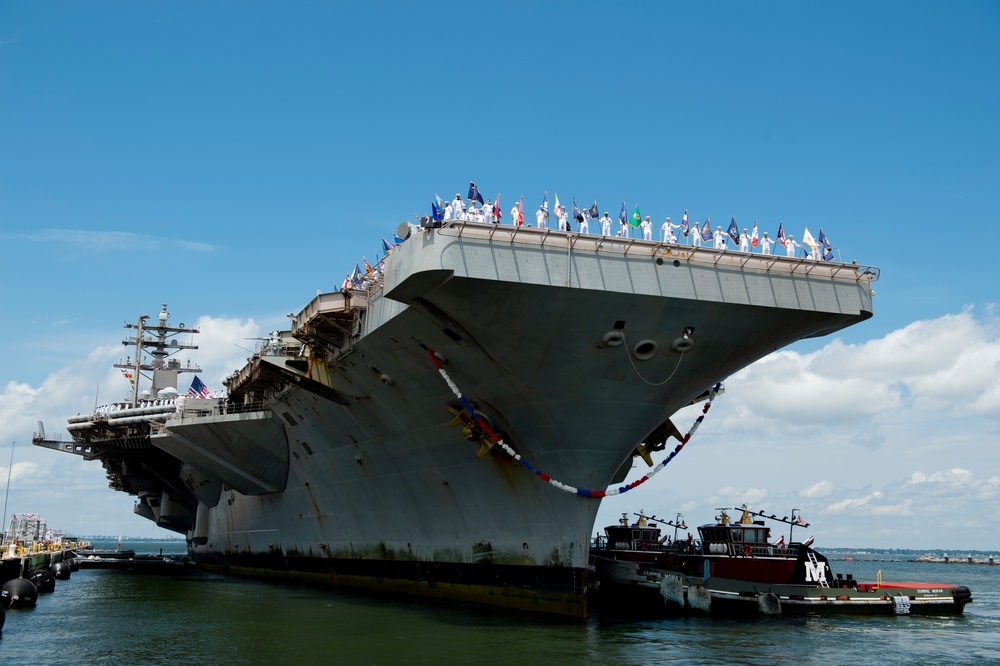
(19, 561)
(127, 560)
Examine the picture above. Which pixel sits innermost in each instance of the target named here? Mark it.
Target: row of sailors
(105, 410)
(719, 237)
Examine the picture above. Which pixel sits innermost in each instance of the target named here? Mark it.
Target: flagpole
(10, 468)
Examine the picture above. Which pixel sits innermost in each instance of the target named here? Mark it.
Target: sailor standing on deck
(605, 225)
(744, 241)
(765, 244)
(668, 235)
(488, 212)
(515, 215)
(563, 216)
(647, 229)
(790, 245)
(458, 207)
(447, 211)
(720, 239)
(541, 215)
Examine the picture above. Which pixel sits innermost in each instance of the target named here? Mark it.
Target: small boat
(736, 568)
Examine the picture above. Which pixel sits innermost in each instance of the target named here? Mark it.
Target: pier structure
(28, 546)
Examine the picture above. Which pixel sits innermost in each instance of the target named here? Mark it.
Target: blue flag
(823, 240)
(577, 215)
(437, 212)
(474, 193)
(733, 232)
(396, 239)
(825, 244)
(623, 216)
(388, 247)
(706, 231)
(593, 211)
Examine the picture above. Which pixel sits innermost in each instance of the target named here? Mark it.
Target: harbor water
(112, 617)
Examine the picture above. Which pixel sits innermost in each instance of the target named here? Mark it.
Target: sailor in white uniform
(790, 245)
(647, 229)
(720, 239)
(515, 213)
(605, 225)
(744, 241)
(458, 207)
(668, 235)
(447, 211)
(765, 244)
(584, 224)
(488, 212)
(540, 215)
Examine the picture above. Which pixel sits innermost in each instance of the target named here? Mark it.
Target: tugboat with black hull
(736, 568)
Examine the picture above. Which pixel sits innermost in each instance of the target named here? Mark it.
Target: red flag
(753, 236)
(520, 213)
(497, 213)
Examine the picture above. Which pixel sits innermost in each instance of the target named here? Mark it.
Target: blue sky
(230, 159)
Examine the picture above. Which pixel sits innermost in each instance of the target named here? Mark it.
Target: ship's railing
(220, 407)
(577, 242)
(698, 547)
(735, 549)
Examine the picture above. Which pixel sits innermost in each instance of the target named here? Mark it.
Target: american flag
(198, 389)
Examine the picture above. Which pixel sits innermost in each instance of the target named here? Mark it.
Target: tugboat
(735, 568)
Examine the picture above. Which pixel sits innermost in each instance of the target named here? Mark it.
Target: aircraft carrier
(342, 454)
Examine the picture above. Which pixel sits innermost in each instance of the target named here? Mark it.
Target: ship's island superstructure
(340, 454)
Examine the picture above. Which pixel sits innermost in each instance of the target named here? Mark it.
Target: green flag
(636, 219)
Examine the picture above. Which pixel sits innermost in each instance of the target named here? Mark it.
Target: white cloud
(853, 502)
(83, 240)
(732, 496)
(822, 489)
(19, 471)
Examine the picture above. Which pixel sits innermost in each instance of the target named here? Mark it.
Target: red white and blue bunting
(481, 422)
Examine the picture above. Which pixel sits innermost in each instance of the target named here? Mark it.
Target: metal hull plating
(353, 470)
